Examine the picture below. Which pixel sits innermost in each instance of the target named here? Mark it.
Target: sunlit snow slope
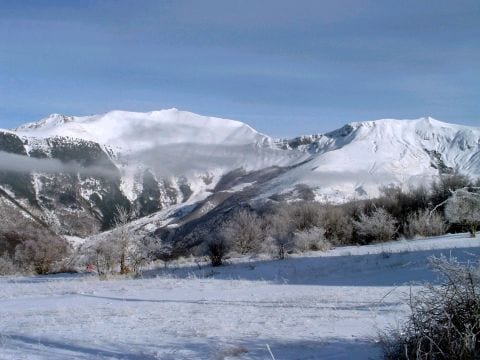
(136, 131)
(356, 159)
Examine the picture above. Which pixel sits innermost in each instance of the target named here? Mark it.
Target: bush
(338, 224)
(311, 239)
(424, 223)
(7, 266)
(280, 235)
(304, 215)
(445, 320)
(41, 251)
(10, 238)
(104, 255)
(379, 226)
(120, 249)
(217, 248)
(244, 231)
(145, 250)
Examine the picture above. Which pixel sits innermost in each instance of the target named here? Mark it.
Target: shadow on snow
(385, 269)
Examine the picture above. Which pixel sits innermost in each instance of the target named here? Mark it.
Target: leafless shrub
(121, 250)
(311, 239)
(425, 223)
(41, 252)
(279, 235)
(244, 231)
(302, 215)
(445, 320)
(104, 255)
(7, 265)
(379, 226)
(338, 224)
(123, 236)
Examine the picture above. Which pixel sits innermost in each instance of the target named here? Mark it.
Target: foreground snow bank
(317, 306)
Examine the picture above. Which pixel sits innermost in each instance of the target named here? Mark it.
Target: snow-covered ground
(315, 306)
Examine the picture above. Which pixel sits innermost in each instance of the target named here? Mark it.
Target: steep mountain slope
(80, 168)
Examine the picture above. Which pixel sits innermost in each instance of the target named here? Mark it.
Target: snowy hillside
(318, 306)
(356, 159)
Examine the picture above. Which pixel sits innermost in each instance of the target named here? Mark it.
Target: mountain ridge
(172, 159)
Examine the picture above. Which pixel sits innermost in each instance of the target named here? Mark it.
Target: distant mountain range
(71, 172)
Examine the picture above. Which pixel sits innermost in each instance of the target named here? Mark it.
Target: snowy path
(318, 306)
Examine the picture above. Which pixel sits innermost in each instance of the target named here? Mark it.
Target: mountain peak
(51, 120)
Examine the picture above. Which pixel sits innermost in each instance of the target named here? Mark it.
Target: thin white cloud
(26, 164)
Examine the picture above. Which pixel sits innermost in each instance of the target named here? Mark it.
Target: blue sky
(284, 67)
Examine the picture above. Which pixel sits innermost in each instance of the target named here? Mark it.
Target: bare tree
(120, 249)
(463, 207)
(147, 249)
(123, 236)
(103, 254)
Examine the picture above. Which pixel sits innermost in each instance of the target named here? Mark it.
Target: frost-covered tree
(103, 254)
(463, 207)
(311, 239)
(121, 249)
(425, 223)
(378, 226)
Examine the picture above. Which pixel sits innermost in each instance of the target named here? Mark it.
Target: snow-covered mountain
(360, 156)
(136, 131)
(178, 160)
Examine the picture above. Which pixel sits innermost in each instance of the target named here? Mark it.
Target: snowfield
(316, 306)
